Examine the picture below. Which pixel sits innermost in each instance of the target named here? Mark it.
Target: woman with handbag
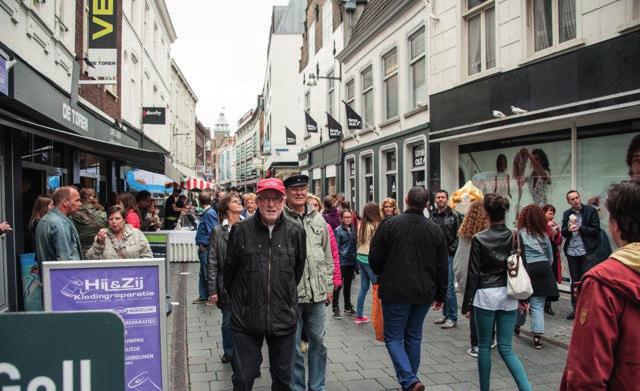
(537, 256)
(486, 290)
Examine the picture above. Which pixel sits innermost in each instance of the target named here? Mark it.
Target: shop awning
(192, 183)
(135, 157)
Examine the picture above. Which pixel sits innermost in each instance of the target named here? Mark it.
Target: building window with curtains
(330, 92)
(418, 69)
(480, 19)
(418, 154)
(390, 174)
(367, 97)
(367, 164)
(553, 22)
(390, 66)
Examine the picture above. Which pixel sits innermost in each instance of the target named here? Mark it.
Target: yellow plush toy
(461, 199)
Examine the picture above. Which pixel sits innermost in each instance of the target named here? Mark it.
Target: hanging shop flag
(154, 115)
(354, 121)
(312, 125)
(103, 42)
(291, 137)
(335, 129)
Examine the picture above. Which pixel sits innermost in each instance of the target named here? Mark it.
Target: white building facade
(182, 119)
(248, 162)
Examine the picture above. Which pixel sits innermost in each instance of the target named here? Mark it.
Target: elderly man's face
(297, 196)
(270, 204)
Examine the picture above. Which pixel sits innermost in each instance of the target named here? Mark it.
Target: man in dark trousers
(449, 220)
(581, 229)
(265, 261)
(409, 254)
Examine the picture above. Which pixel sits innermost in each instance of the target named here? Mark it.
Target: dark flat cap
(296, 180)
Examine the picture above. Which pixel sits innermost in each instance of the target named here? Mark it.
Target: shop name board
(154, 115)
(74, 117)
(418, 155)
(103, 43)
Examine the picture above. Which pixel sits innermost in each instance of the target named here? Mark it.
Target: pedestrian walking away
(315, 290)
(208, 221)
(229, 212)
(581, 229)
(486, 291)
(368, 225)
(409, 253)
(449, 220)
(603, 352)
(265, 260)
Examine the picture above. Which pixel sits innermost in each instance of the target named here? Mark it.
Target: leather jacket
(217, 256)
(488, 261)
(261, 274)
(450, 222)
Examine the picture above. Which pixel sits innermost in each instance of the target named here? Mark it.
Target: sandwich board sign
(81, 351)
(132, 288)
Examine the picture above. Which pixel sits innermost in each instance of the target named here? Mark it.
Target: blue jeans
(366, 277)
(536, 309)
(403, 338)
(450, 310)
(504, 322)
(311, 317)
(225, 328)
(203, 288)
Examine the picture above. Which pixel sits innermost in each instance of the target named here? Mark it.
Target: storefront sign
(354, 121)
(134, 289)
(154, 115)
(335, 129)
(4, 77)
(418, 155)
(312, 125)
(103, 42)
(75, 117)
(70, 351)
(291, 137)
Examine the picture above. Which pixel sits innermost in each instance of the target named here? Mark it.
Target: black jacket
(409, 254)
(589, 229)
(217, 258)
(262, 273)
(450, 222)
(487, 261)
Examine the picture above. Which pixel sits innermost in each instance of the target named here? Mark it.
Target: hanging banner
(335, 129)
(291, 137)
(133, 289)
(103, 42)
(354, 121)
(154, 115)
(312, 125)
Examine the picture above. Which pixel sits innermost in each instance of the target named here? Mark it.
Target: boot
(547, 309)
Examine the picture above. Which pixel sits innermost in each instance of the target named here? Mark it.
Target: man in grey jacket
(315, 290)
(56, 237)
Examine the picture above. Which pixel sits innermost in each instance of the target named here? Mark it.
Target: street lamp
(313, 77)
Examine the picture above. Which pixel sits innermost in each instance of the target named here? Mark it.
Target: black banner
(291, 137)
(103, 40)
(312, 125)
(335, 129)
(354, 121)
(154, 115)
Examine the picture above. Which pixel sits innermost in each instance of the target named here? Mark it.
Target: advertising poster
(133, 292)
(103, 40)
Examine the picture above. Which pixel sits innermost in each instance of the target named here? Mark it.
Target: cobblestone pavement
(356, 361)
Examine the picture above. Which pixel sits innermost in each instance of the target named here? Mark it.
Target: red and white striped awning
(192, 183)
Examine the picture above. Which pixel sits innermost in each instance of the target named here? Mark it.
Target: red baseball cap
(271, 183)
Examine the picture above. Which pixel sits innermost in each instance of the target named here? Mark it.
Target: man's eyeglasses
(275, 200)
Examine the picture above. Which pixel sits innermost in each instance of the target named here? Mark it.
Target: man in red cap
(265, 260)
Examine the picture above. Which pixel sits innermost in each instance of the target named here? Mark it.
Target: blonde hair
(393, 203)
(311, 196)
(475, 220)
(249, 196)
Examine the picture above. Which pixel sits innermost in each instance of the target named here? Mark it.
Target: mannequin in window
(501, 181)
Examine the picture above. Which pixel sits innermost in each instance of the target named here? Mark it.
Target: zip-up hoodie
(604, 353)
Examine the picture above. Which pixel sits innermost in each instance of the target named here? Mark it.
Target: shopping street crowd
(272, 261)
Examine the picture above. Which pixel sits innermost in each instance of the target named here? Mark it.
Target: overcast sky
(222, 49)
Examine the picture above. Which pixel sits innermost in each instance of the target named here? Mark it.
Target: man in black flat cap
(315, 288)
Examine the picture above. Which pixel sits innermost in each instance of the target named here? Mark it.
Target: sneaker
(417, 387)
(350, 312)
(361, 319)
(572, 315)
(448, 324)
(537, 342)
(304, 346)
(473, 351)
(440, 321)
(336, 313)
(494, 344)
(200, 301)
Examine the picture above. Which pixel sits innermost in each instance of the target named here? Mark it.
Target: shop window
(481, 36)
(418, 163)
(552, 22)
(418, 69)
(317, 187)
(330, 186)
(390, 82)
(368, 187)
(390, 175)
(351, 182)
